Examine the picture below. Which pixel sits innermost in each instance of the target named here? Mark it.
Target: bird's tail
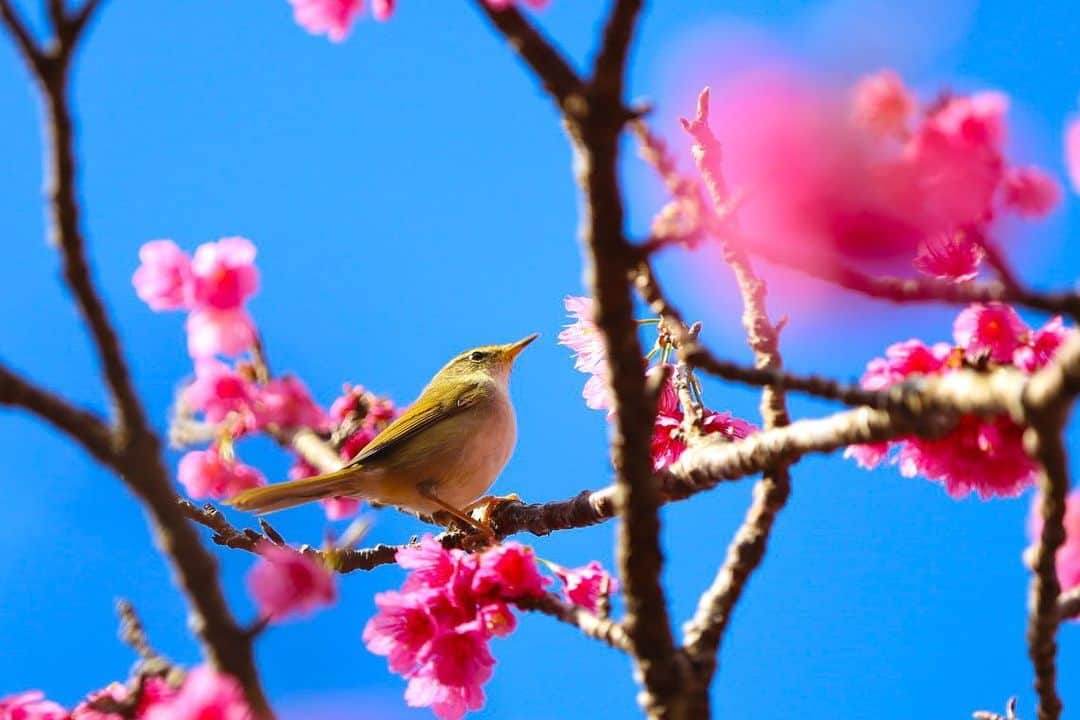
(281, 496)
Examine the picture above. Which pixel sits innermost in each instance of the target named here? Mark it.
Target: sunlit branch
(605, 630)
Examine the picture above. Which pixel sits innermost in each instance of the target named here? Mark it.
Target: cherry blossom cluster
(232, 390)
(669, 431)
(984, 455)
(435, 630)
(873, 175)
(334, 18)
(204, 693)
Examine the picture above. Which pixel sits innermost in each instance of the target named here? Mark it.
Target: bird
(441, 454)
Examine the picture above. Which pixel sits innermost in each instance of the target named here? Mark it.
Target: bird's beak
(513, 349)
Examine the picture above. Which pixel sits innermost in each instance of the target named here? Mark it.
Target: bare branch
(603, 629)
(1068, 604)
(610, 67)
(80, 425)
(560, 80)
(15, 26)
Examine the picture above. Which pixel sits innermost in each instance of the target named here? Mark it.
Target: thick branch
(603, 629)
(609, 69)
(80, 425)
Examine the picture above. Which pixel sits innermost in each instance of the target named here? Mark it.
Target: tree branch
(80, 425)
(25, 44)
(609, 68)
(603, 629)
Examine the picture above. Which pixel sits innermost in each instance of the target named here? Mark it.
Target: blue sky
(410, 193)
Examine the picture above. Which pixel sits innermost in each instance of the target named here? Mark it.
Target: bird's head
(493, 361)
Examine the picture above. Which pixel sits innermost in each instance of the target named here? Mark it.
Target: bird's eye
(477, 356)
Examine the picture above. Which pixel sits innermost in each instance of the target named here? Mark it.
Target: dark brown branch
(609, 69)
(1068, 604)
(603, 629)
(139, 460)
(703, 632)
(23, 41)
(547, 63)
(80, 425)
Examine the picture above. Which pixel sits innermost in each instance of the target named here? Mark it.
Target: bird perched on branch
(442, 454)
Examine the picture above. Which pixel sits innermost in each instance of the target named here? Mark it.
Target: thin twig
(603, 629)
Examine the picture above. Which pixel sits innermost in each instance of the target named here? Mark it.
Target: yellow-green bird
(443, 453)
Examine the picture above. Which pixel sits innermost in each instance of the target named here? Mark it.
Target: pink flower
(332, 17)
(340, 508)
(163, 279)
(205, 695)
(356, 403)
(597, 392)
(402, 627)
(583, 337)
(204, 473)
(951, 255)
(496, 619)
(881, 103)
(1042, 345)
(903, 359)
(867, 456)
(667, 439)
(448, 703)
(509, 571)
(726, 424)
(154, 690)
(431, 564)
(1072, 152)
(585, 586)
(30, 705)
(1030, 191)
(381, 10)
(218, 391)
(1068, 555)
(225, 274)
(219, 332)
(286, 402)
(993, 329)
(285, 582)
(977, 119)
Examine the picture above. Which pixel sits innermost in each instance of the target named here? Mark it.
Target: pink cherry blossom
(1068, 555)
(881, 103)
(597, 392)
(402, 627)
(726, 424)
(1072, 152)
(219, 391)
(993, 329)
(331, 17)
(431, 564)
(667, 439)
(867, 456)
(286, 402)
(381, 10)
(1030, 191)
(977, 119)
(903, 359)
(1041, 346)
(583, 337)
(285, 582)
(205, 695)
(224, 273)
(950, 255)
(219, 332)
(155, 690)
(340, 508)
(585, 586)
(509, 571)
(204, 473)
(30, 705)
(448, 703)
(163, 280)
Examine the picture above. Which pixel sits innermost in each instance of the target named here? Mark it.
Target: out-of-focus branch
(703, 632)
(1068, 604)
(547, 63)
(80, 425)
(610, 66)
(24, 42)
(605, 630)
(138, 453)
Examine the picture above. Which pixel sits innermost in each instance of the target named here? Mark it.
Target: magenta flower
(431, 564)
(204, 473)
(1030, 192)
(224, 273)
(331, 17)
(728, 425)
(667, 439)
(285, 582)
(994, 330)
(340, 508)
(402, 627)
(219, 391)
(219, 332)
(881, 103)
(30, 705)
(163, 280)
(585, 586)
(205, 695)
(154, 690)
(447, 702)
(286, 402)
(1041, 346)
(1068, 555)
(951, 255)
(509, 571)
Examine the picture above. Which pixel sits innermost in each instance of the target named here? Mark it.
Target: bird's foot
(481, 510)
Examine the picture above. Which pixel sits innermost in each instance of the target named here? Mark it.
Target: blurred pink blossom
(163, 280)
(582, 336)
(330, 17)
(993, 329)
(950, 255)
(1068, 555)
(1030, 192)
(205, 695)
(585, 586)
(382, 9)
(1041, 346)
(881, 103)
(204, 473)
(224, 273)
(30, 705)
(285, 582)
(219, 332)
(285, 401)
(1072, 152)
(218, 390)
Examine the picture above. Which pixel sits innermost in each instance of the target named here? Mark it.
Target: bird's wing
(418, 418)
